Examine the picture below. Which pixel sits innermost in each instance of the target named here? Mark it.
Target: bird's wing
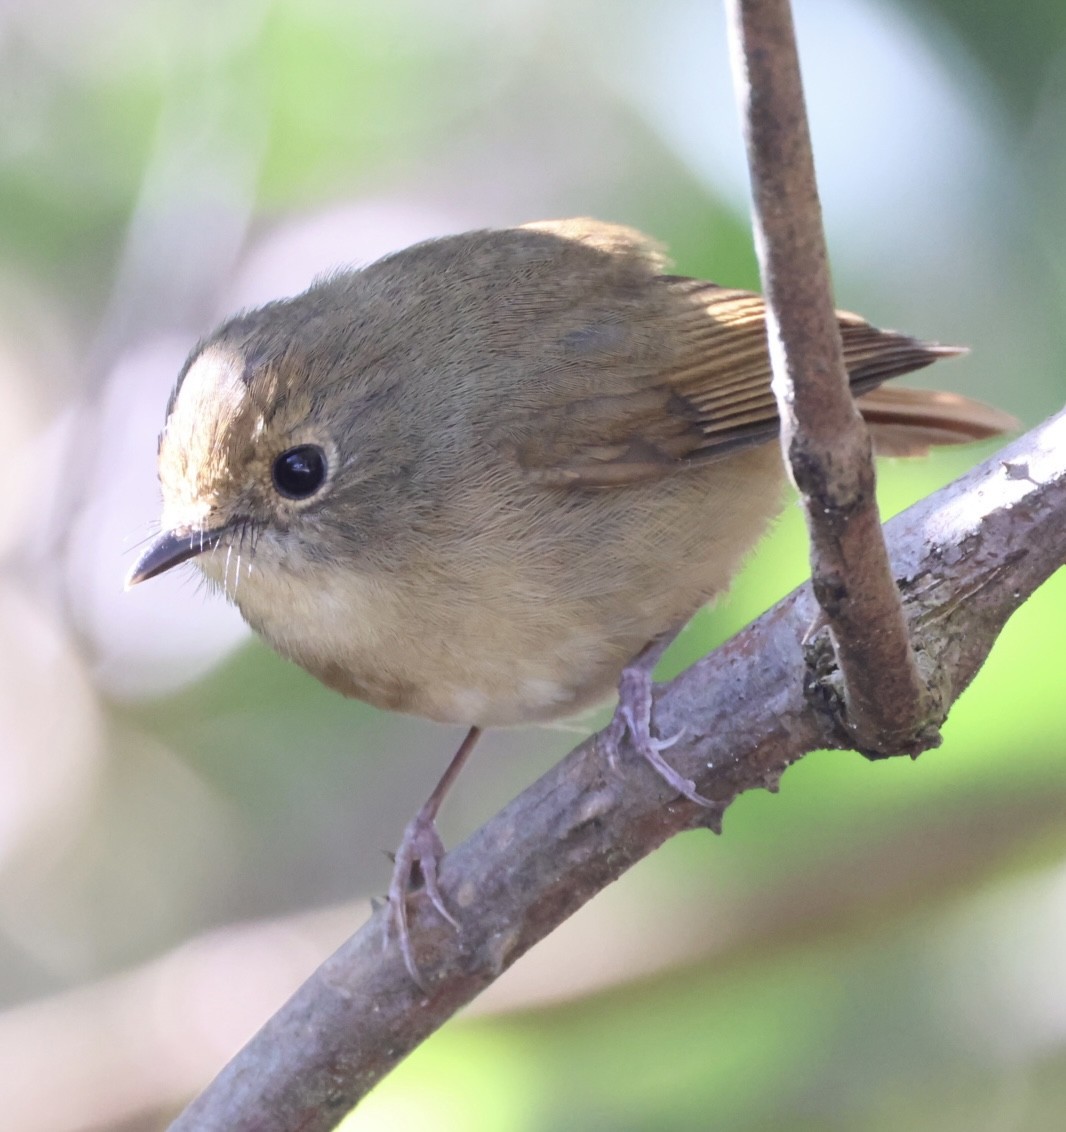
(712, 396)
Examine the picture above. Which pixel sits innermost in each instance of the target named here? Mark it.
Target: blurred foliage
(871, 948)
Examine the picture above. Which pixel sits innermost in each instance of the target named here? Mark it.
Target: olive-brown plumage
(541, 454)
(475, 479)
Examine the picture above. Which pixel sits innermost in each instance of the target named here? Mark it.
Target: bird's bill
(171, 548)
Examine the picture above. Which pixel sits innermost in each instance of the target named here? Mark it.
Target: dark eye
(300, 472)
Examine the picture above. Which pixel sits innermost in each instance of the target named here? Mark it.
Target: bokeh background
(188, 824)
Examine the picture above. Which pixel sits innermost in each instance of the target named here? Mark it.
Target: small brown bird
(488, 478)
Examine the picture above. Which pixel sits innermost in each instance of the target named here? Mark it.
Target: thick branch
(965, 559)
(826, 445)
(55, 1051)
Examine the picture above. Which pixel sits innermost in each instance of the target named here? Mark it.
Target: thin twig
(886, 708)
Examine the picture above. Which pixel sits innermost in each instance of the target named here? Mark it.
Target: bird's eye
(300, 472)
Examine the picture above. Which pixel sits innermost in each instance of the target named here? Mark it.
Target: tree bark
(964, 559)
(884, 706)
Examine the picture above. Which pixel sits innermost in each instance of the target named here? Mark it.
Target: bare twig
(83, 1060)
(886, 708)
(964, 559)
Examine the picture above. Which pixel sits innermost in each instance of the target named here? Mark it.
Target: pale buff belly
(478, 633)
(357, 637)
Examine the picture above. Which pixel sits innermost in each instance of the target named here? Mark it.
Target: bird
(487, 479)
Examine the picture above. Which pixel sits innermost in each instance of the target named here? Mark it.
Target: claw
(666, 744)
(421, 846)
(632, 718)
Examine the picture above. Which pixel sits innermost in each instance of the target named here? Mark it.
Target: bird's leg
(421, 845)
(632, 717)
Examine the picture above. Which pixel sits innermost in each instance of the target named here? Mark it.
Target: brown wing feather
(713, 396)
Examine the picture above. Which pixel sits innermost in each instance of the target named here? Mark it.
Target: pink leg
(421, 845)
(632, 717)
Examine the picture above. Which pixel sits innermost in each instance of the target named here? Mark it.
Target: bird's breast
(364, 637)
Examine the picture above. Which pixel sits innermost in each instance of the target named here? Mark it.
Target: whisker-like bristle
(225, 571)
(143, 540)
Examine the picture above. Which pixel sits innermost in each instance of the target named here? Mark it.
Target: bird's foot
(632, 717)
(421, 848)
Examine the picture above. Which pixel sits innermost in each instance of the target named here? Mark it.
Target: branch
(56, 1051)
(964, 559)
(886, 706)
